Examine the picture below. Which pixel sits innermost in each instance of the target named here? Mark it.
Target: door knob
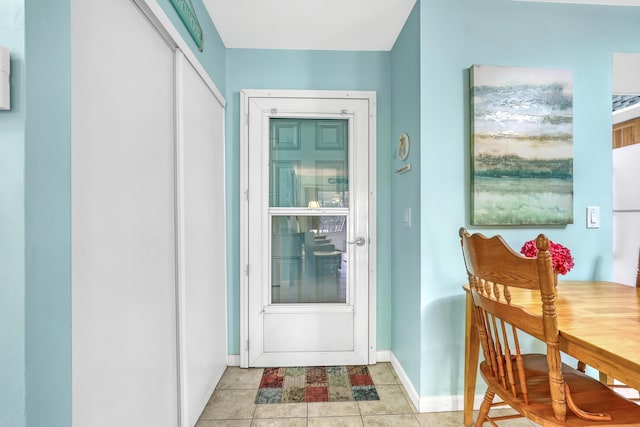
(360, 241)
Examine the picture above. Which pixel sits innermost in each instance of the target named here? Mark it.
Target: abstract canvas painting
(522, 146)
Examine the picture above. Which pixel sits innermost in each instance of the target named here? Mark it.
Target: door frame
(245, 95)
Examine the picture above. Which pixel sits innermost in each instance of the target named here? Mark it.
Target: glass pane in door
(308, 265)
(309, 173)
(308, 163)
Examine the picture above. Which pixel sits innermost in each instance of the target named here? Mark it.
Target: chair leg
(484, 408)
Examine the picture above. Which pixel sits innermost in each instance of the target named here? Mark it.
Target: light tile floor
(232, 405)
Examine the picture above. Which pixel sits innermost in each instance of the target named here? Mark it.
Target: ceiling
(323, 25)
(309, 24)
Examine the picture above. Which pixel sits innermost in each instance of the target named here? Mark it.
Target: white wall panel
(626, 244)
(626, 176)
(626, 67)
(123, 254)
(202, 239)
(626, 213)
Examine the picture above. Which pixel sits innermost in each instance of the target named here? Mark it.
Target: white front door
(307, 229)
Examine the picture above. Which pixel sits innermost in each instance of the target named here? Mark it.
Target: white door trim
(245, 95)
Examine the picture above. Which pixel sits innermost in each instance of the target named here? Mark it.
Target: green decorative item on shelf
(188, 16)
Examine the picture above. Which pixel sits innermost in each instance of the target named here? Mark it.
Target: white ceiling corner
(370, 25)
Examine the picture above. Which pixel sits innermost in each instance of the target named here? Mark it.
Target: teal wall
(321, 70)
(405, 193)
(456, 34)
(12, 239)
(48, 213)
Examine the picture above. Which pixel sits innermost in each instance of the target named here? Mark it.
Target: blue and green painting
(522, 146)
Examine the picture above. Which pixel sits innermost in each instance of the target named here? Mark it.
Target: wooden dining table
(599, 325)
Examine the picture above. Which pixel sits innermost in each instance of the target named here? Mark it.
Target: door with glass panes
(308, 229)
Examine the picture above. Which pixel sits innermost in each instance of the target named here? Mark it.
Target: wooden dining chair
(537, 386)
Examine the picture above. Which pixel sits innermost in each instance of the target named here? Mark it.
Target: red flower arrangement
(561, 258)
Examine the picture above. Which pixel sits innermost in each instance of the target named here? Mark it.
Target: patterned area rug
(316, 384)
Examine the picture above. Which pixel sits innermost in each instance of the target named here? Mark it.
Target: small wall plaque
(190, 20)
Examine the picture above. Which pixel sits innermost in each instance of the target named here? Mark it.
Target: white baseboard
(233, 360)
(447, 403)
(383, 356)
(431, 404)
(406, 382)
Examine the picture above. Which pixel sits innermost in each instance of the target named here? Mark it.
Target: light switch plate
(406, 217)
(593, 217)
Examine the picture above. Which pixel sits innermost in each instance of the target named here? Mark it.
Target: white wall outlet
(593, 217)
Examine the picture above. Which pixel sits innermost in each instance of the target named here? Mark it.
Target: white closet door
(123, 240)
(202, 240)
